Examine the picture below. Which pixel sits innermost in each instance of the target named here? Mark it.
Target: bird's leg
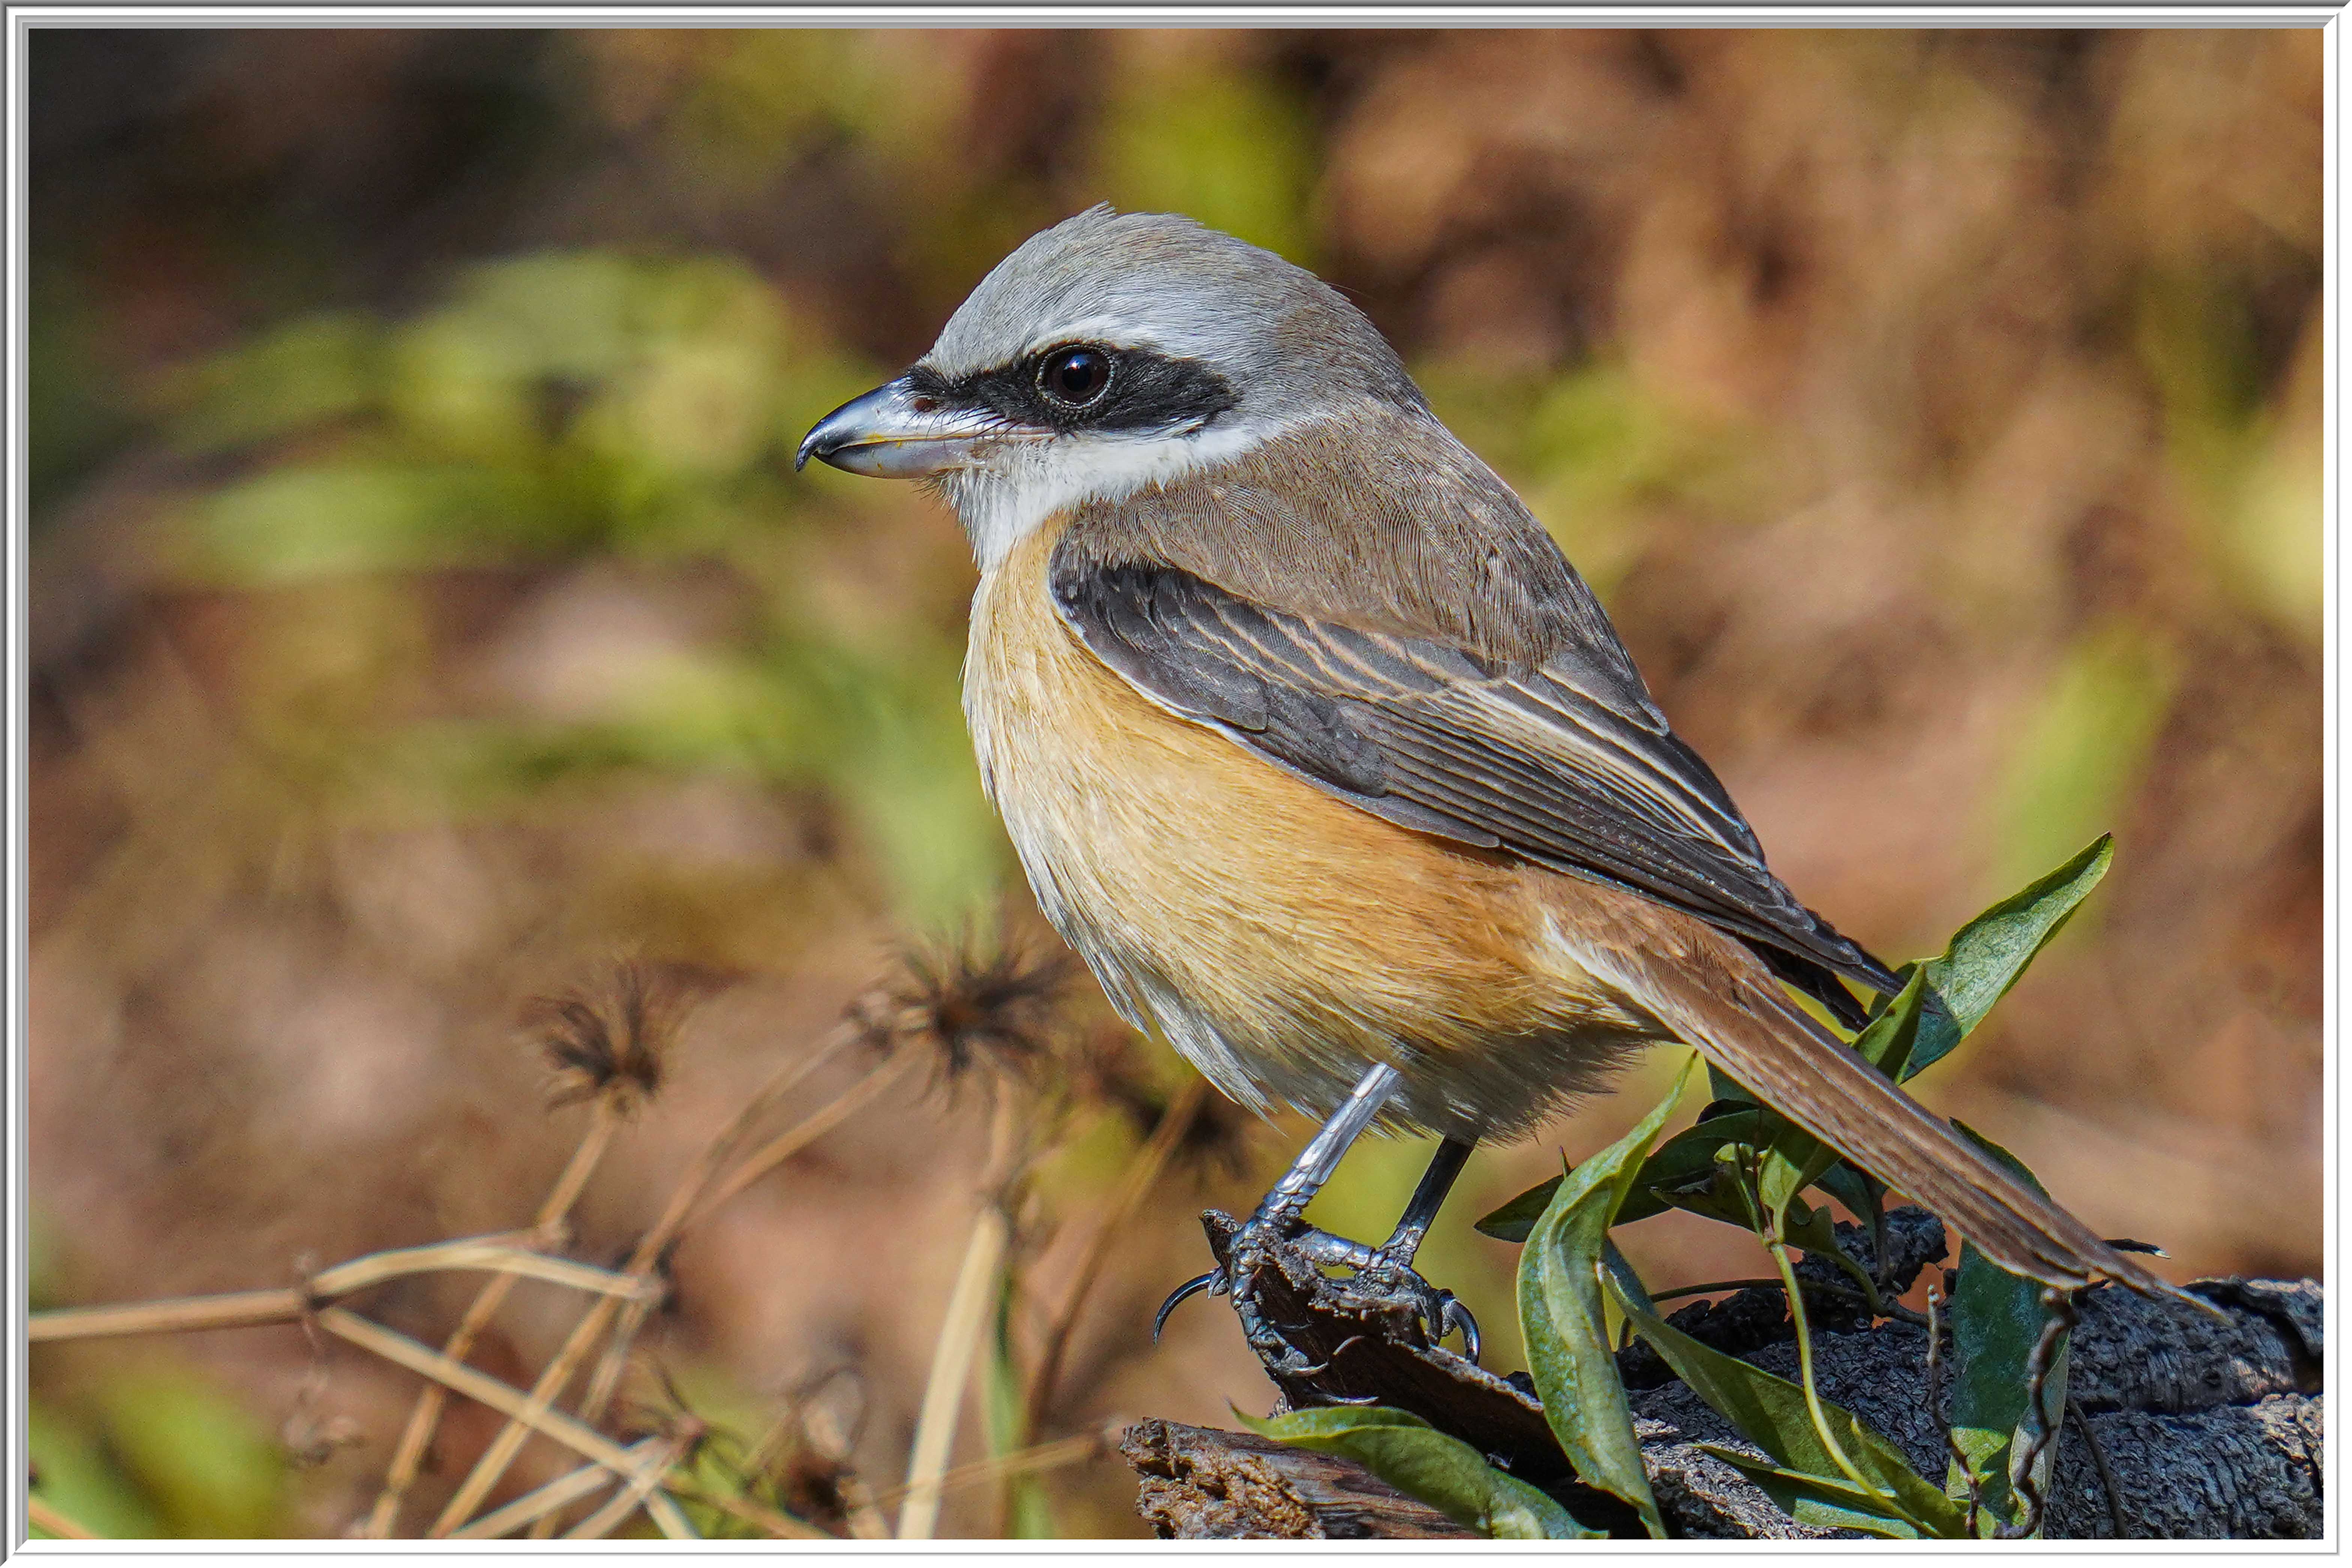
(1391, 1266)
(1276, 1218)
(1387, 1267)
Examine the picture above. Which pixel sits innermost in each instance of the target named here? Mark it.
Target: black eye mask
(1147, 392)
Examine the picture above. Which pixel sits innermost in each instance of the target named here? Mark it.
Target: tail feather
(1797, 1068)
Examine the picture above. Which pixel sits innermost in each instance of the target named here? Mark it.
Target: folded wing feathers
(1825, 1087)
(1427, 735)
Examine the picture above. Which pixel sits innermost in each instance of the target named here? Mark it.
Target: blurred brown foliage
(422, 617)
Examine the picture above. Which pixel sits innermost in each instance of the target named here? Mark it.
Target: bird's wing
(1432, 737)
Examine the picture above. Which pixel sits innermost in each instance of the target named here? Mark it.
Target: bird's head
(1112, 352)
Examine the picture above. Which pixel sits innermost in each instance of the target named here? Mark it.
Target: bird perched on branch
(1327, 762)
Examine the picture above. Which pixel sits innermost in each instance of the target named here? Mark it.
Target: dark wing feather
(1430, 736)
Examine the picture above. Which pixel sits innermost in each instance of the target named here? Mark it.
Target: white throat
(1001, 500)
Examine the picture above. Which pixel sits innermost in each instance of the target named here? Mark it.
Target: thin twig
(47, 1517)
(793, 1139)
(650, 1248)
(758, 1163)
(2116, 1518)
(638, 1494)
(606, 1378)
(424, 1359)
(426, 1417)
(1050, 1456)
(783, 1527)
(959, 1336)
(1143, 1174)
(560, 1492)
(253, 1308)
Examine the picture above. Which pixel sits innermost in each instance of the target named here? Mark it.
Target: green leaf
(1794, 1161)
(1679, 1160)
(1426, 1464)
(1566, 1325)
(1514, 1220)
(1622, 1273)
(1724, 1196)
(1995, 1317)
(1770, 1411)
(1816, 1500)
(1991, 950)
(1816, 1232)
(1890, 1040)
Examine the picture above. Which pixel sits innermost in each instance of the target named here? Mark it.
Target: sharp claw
(1457, 1316)
(1213, 1281)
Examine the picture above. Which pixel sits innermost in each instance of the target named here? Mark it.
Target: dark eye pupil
(1077, 376)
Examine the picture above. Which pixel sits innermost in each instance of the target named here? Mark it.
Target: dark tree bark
(2180, 1426)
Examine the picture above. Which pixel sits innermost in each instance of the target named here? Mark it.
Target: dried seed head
(998, 1009)
(611, 1042)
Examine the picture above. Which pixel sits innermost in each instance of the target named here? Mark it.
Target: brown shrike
(1324, 758)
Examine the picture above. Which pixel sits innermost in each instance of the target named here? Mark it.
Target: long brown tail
(1793, 1065)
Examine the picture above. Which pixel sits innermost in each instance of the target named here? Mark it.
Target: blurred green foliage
(2081, 747)
(570, 403)
(167, 1453)
(1231, 148)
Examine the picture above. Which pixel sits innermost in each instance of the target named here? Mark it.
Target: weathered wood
(2211, 1429)
(1202, 1484)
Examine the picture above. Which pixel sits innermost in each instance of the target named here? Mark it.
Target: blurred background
(425, 619)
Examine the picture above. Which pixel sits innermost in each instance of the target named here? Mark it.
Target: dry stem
(638, 1494)
(1024, 1461)
(248, 1309)
(758, 1163)
(783, 1527)
(426, 1418)
(959, 1336)
(585, 1481)
(493, 1464)
(48, 1518)
(509, 1402)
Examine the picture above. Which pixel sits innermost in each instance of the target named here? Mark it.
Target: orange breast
(1280, 937)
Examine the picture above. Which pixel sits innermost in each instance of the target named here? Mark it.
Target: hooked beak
(896, 433)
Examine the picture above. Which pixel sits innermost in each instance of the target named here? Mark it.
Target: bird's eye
(1074, 377)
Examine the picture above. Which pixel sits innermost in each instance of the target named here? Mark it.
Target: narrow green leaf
(1991, 950)
(1680, 1159)
(1816, 1500)
(1816, 1232)
(1724, 1196)
(1995, 1317)
(1514, 1220)
(1687, 1156)
(1770, 1411)
(1622, 1273)
(1565, 1324)
(1426, 1464)
(1890, 1040)
(1794, 1161)
(1721, 1085)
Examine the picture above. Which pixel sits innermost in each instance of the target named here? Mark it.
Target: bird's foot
(1440, 1313)
(1251, 1246)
